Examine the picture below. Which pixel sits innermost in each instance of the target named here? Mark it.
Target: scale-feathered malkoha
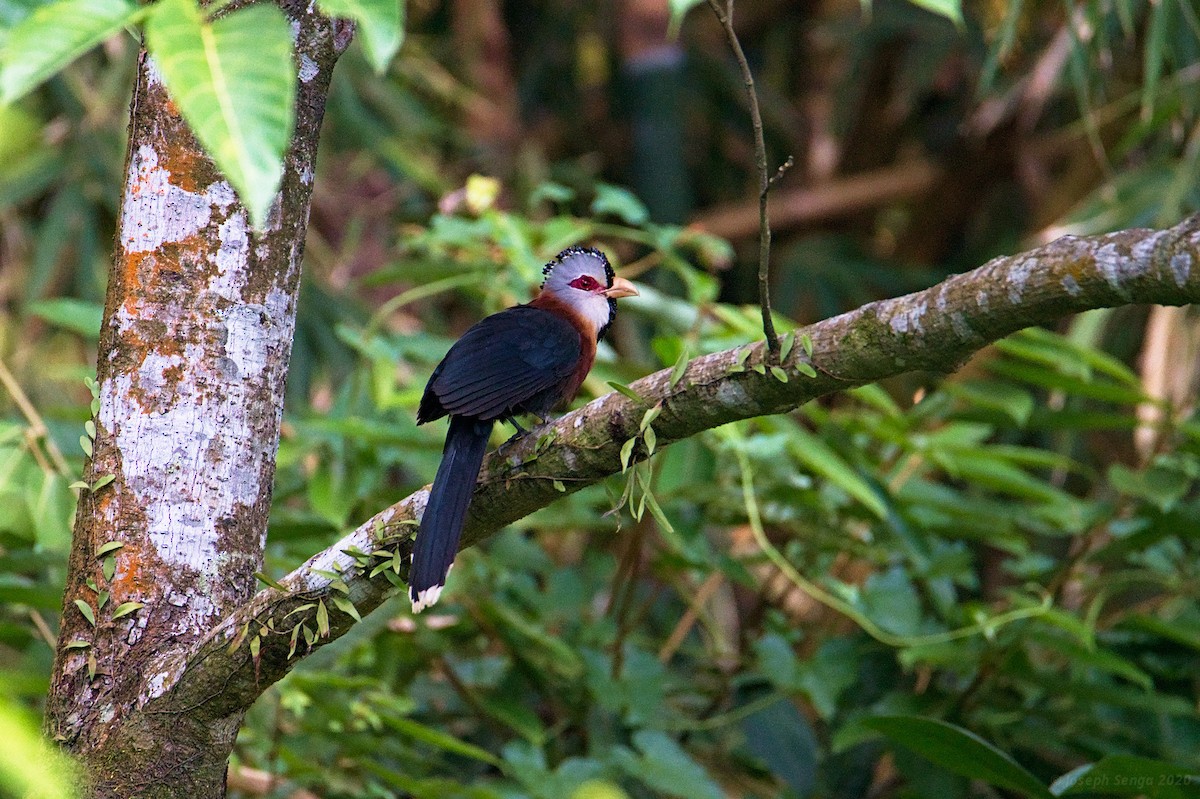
(526, 360)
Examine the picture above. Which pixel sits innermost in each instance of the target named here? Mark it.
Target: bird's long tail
(442, 524)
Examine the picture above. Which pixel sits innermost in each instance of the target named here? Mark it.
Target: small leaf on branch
(322, 619)
(264, 578)
(681, 364)
(627, 391)
(649, 417)
(300, 608)
(125, 608)
(111, 546)
(785, 346)
(346, 606)
(87, 611)
(627, 453)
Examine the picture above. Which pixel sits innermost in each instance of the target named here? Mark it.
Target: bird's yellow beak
(621, 288)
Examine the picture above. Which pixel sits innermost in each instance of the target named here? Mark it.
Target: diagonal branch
(935, 329)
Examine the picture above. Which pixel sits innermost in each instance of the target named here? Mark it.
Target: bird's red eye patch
(585, 283)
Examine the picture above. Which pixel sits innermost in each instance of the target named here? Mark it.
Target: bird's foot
(521, 432)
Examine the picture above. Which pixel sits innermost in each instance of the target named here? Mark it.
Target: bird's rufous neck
(556, 305)
(587, 337)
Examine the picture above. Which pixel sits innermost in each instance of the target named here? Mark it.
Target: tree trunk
(192, 362)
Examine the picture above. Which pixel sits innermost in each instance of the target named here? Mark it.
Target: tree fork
(193, 355)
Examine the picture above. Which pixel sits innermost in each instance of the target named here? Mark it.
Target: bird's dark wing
(501, 362)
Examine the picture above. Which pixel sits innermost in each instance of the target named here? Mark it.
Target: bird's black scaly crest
(579, 250)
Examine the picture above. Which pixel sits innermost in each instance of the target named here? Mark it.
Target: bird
(526, 360)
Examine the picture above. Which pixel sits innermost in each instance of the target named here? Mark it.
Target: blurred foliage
(990, 577)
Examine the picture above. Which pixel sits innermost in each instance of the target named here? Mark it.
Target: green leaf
(322, 619)
(74, 315)
(627, 391)
(295, 637)
(950, 9)
(266, 579)
(786, 344)
(679, 9)
(665, 767)
(1159, 485)
(109, 567)
(125, 608)
(439, 739)
(1152, 61)
(681, 364)
(300, 609)
(959, 751)
(779, 374)
(380, 24)
(822, 460)
(77, 643)
(111, 546)
(233, 80)
(86, 610)
(627, 453)
(619, 202)
(102, 482)
(805, 369)
(346, 606)
(55, 35)
(1126, 775)
(85, 444)
(657, 512)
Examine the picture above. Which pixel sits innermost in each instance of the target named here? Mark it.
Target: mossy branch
(935, 329)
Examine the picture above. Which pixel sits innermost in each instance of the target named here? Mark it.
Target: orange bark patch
(184, 165)
(135, 578)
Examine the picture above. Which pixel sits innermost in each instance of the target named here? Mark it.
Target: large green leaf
(822, 460)
(380, 23)
(55, 35)
(233, 79)
(1128, 775)
(77, 316)
(960, 751)
(666, 767)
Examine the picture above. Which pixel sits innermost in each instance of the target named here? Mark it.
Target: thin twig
(37, 425)
(725, 16)
(44, 629)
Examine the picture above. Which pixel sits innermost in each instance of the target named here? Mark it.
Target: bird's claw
(521, 431)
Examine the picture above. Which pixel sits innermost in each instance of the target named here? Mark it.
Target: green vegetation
(977, 583)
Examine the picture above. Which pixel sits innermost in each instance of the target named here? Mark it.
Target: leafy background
(955, 585)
